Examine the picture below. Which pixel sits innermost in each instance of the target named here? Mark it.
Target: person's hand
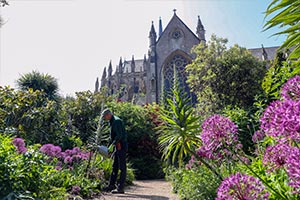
(111, 148)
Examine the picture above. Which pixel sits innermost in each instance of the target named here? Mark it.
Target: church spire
(109, 69)
(104, 73)
(264, 53)
(152, 35)
(103, 80)
(120, 66)
(160, 27)
(200, 30)
(97, 85)
(132, 64)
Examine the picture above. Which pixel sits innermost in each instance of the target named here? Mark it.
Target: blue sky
(73, 40)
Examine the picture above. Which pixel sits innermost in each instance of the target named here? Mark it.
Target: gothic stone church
(146, 80)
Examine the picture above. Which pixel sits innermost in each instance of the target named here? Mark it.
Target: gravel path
(144, 190)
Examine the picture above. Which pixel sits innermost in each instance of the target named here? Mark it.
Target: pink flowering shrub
(20, 145)
(240, 186)
(291, 89)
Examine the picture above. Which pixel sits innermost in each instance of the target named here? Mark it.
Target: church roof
(138, 65)
(258, 52)
(174, 20)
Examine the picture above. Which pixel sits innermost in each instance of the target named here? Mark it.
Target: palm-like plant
(39, 81)
(178, 134)
(286, 15)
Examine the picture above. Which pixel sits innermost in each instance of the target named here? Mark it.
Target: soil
(144, 190)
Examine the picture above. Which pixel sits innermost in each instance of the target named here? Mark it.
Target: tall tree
(39, 81)
(222, 76)
(285, 14)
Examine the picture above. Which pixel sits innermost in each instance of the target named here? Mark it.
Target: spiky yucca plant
(179, 132)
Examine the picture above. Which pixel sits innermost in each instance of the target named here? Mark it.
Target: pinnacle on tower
(109, 69)
(132, 64)
(103, 74)
(160, 27)
(120, 66)
(264, 53)
(200, 30)
(97, 85)
(152, 35)
(152, 30)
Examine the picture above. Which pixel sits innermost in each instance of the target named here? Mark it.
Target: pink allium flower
(293, 167)
(276, 156)
(291, 89)
(20, 145)
(75, 189)
(258, 136)
(191, 162)
(287, 157)
(241, 187)
(219, 134)
(68, 160)
(281, 120)
(51, 150)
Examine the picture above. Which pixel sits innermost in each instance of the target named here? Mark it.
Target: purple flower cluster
(218, 134)
(241, 186)
(287, 157)
(20, 145)
(191, 163)
(276, 156)
(51, 150)
(282, 120)
(293, 168)
(75, 189)
(258, 136)
(291, 89)
(68, 157)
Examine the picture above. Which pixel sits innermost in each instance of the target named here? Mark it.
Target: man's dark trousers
(119, 163)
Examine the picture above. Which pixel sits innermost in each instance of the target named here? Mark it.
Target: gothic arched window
(178, 61)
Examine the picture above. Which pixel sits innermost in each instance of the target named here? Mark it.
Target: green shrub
(142, 141)
(194, 184)
(34, 175)
(31, 115)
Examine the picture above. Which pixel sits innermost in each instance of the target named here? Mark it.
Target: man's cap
(105, 112)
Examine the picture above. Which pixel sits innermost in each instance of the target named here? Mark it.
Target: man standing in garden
(118, 147)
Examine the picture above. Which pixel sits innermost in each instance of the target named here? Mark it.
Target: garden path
(144, 190)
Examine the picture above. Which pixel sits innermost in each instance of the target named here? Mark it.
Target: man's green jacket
(117, 132)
